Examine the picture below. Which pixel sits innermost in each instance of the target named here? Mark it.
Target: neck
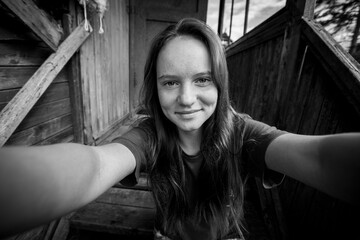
(190, 141)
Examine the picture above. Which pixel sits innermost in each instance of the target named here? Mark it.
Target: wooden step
(121, 211)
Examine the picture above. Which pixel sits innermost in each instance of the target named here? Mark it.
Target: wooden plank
(49, 231)
(271, 28)
(304, 195)
(24, 54)
(121, 220)
(128, 197)
(115, 218)
(287, 70)
(97, 98)
(106, 81)
(303, 8)
(272, 211)
(11, 28)
(21, 104)
(122, 104)
(343, 68)
(16, 77)
(300, 89)
(56, 91)
(320, 204)
(105, 75)
(137, 54)
(270, 76)
(74, 81)
(104, 137)
(40, 22)
(45, 112)
(87, 75)
(63, 228)
(240, 78)
(38, 133)
(32, 234)
(64, 136)
(118, 128)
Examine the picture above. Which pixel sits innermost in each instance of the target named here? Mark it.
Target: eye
(203, 81)
(170, 84)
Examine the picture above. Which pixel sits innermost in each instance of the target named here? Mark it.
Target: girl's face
(187, 94)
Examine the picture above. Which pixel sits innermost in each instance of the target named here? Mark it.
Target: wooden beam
(221, 17)
(75, 81)
(288, 66)
(44, 27)
(269, 29)
(302, 8)
(15, 111)
(344, 69)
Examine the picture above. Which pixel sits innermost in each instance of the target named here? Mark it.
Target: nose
(187, 95)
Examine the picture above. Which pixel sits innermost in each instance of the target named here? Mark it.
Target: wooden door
(147, 18)
(104, 63)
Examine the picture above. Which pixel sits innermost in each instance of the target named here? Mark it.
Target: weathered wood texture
(22, 52)
(41, 23)
(21, 55)
(124, 212)
(20, 105)
(320, 97)
(104, 63)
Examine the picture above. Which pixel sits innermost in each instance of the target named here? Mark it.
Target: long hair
(223, 194)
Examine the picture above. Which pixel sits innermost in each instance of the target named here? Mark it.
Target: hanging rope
(100, 6)
(87, 25)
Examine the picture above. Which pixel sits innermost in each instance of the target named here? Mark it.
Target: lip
(187, 112)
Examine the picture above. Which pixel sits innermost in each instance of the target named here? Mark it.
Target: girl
(197, 150)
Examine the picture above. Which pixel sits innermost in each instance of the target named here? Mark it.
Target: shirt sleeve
(257, 138)
(135, 141)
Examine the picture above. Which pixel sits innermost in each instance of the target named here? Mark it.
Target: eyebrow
(166, 76)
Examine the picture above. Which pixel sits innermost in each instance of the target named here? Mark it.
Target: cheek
(211, 98)
(164, 99)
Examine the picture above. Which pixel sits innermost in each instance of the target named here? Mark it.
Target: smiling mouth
(187, 112)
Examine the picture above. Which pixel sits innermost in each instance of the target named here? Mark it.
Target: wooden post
(231, 18)
(16, 110)
(69, 22)
(246, 16)
(289, 53)
(221, 18)
(286, 71)
(301, 8)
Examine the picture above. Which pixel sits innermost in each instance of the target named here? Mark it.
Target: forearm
(339, 157)
(36, 183)
(329, 163)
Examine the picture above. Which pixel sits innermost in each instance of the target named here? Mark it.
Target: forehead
(183, 53)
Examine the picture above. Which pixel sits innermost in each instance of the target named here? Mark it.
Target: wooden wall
(21, 54)
(104, 64)
(312, 87)
(87, 101)
(51, 119)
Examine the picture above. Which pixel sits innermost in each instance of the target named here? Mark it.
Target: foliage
(339, 16)
(341, 13)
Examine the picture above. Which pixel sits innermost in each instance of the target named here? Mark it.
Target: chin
(189, 128)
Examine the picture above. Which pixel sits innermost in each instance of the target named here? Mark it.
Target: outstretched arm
(329, 163)
(38, 184)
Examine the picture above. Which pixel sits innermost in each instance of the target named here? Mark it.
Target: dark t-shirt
(255, 136)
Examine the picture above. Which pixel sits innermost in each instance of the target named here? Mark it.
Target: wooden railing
(344, 69)
(288, 72)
